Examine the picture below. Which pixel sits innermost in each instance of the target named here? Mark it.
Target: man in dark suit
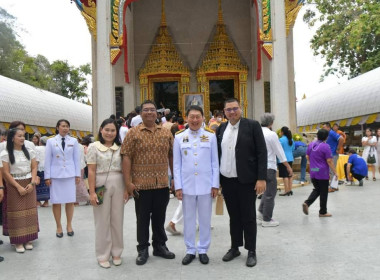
(243, 170)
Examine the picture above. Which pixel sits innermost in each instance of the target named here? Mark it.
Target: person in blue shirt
(335, 141)
(287, 144)
(357, 166)
(300, 149)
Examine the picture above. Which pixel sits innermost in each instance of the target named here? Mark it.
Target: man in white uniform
(196, 179)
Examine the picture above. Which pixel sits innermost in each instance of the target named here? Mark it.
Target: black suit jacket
(250, 151)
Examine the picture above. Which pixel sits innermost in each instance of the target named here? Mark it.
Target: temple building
(180, 52)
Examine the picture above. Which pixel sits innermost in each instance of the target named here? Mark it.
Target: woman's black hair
(286, 131)
(10, 145)
(322, 134)
(104, 123)
(59, 123)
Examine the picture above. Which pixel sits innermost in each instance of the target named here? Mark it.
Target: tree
(69, 81)
(348, 37)
(58, 77)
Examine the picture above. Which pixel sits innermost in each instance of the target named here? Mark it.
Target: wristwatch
(2, 188)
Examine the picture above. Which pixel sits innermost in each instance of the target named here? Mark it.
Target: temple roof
(163, 57)
(221, 55)
(357, 98)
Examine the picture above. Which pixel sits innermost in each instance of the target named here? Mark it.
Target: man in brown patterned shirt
(147, 151)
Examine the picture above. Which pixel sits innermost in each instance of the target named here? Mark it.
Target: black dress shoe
(188, 259)
(1, 242)
(231, 254)
(142, 256)
(251, 259)
(163, 251)
(59, 235)
(70, 233)
(1, 259)
(203, 258)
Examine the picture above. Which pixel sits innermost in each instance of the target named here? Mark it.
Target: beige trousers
(109, 217)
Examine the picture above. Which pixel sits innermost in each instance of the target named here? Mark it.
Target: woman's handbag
(100, 190)
(371, 159)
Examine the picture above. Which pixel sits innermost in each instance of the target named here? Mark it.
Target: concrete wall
(190, 24)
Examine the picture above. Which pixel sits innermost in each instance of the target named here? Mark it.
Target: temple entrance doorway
(166, 95)
(220, 90)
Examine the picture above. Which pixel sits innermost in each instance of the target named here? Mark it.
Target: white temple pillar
(94, 87)
(105, 93)
(291, 83)
(131, 94)
(279, 67)
(257, 102)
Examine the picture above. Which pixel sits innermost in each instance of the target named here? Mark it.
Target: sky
(57, 30)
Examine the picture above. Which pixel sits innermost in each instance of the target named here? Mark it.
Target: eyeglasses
(234, 109)
(146, 110)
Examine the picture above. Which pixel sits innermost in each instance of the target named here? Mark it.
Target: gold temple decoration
(222, 62)
(266, 30)
(163, 64)
(116, 35)
(291, 11)
(88, 11)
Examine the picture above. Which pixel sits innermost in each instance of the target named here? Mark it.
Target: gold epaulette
(209, 130)
(180, 131)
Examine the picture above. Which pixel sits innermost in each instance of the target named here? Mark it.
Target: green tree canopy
(348, 37)
(58, 77)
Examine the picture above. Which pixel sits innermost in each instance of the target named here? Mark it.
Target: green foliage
(349, 36)
(58, 77)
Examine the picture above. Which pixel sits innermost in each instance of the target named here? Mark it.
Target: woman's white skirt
(62, 190)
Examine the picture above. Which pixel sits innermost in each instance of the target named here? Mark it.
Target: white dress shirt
(228, 159)
(274, 148)
(136, 121)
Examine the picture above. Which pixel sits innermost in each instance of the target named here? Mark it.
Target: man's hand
(178, 194)
(126, 196)
(48, 182)
(77, 180)
(261, 186)
(172, 189)
(214, 192)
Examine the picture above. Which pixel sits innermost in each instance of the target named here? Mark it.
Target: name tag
(70, 145)
(315, 169)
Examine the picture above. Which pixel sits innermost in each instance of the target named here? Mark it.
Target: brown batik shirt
(149, 152)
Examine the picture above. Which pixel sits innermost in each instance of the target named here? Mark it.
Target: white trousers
(109, 217)
(178, 216)
(193, 205)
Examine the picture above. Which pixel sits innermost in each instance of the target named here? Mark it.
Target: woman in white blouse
(369, 143)
(104, 168)
(378, 145)
(20, 174)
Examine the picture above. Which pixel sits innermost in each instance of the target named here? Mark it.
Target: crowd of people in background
(154, 154)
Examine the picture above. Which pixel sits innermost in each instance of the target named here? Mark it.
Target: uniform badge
(204, 138)
(186, 139)
(57, 156)
(185, 152)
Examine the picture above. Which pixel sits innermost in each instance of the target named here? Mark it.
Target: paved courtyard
(345, 246)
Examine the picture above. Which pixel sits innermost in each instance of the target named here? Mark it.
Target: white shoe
(105, 264)
(271, 223)
(20, 248)
(116, 262)
(29, 246)
(302, 183)
(171, 230)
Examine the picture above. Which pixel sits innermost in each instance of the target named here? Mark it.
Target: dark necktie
(63, 143)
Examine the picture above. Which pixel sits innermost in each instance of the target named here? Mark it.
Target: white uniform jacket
(195, 162)
(61, 163)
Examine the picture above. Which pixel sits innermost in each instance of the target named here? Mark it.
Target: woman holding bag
(104, 169)
(369, 143)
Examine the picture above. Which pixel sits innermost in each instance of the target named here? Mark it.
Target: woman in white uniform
(62, 172)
